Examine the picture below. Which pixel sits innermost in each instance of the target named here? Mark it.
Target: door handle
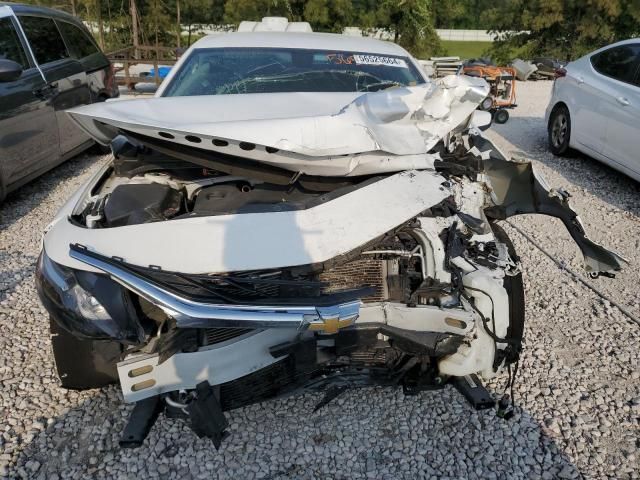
(623, 101)
(47, 91)
(580, 79)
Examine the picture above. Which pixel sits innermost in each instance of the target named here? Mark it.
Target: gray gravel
(578, 393)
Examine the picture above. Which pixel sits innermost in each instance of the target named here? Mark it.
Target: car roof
(327, 41)
(625, 42)
(617, 44)
(21, 8)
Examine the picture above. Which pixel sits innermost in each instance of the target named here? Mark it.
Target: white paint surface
(254, 241)
(316, 133)
(222, 363)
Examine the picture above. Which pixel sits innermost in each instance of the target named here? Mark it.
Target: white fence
(444, 34)
(465, 35)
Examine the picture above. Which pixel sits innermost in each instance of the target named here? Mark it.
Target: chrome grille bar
(192, 314)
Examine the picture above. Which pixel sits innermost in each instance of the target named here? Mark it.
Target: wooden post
(155, 58)
(155, 64)
(100, 26)
(179, 25)
(127, 75)
(134, 27)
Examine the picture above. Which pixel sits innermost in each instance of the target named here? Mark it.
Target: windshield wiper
(376, 87)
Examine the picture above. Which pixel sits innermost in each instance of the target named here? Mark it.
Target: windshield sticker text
(377, 60)
(339, 59)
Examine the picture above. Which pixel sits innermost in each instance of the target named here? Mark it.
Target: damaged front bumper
(191, 314)
(243, 339)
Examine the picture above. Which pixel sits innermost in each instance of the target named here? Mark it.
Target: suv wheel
(559, 130)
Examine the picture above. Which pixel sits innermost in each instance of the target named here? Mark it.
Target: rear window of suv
(619, 63)
(80, 44)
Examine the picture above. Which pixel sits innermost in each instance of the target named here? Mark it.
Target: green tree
(565, 29)
(329, 15)
(323, 15)
(235, 11)
(461, 14)
(446, 14)
(195, 12)
(411, 23)
(157, 26)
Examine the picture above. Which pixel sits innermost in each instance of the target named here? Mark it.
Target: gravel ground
(578, 393)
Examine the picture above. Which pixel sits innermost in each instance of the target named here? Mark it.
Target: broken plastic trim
(517, 189)
(192, 314)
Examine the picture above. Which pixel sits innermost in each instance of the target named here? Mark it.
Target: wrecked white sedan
(292, 211)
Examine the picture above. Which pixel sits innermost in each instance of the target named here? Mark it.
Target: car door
(28, 129)
(586, 97)
(66, 78)
(83, 48)
(620, 104)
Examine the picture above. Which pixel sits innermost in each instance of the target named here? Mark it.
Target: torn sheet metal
(517, 189)
(327, 134)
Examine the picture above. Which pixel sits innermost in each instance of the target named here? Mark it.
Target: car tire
(82, 364)
(559, 131)
(501, 116)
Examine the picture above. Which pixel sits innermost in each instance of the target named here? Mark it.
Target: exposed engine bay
(206, 280)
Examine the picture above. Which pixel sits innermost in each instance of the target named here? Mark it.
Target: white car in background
(595, 107)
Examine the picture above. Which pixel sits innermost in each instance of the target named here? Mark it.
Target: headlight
(86, 304)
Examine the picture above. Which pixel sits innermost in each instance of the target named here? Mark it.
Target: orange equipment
(502, 93)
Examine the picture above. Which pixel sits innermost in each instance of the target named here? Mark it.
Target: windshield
(220, 71)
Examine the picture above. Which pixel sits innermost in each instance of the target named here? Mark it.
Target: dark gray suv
(49, 62)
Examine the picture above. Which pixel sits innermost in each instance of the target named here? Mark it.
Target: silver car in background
(595, 107)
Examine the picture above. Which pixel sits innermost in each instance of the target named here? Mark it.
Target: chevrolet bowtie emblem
(331, 325)
(332, 318)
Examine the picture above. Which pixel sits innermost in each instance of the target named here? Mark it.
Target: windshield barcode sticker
(377, 60)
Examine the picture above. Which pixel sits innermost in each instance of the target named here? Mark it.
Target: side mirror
(9, 70)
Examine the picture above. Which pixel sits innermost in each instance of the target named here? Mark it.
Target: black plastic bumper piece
(472, 389)
(142, 418)
(207, 419)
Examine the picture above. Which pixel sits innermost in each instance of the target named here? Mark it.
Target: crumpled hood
(310, 127)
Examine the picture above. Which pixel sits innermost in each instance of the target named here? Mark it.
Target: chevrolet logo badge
(331, 325)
